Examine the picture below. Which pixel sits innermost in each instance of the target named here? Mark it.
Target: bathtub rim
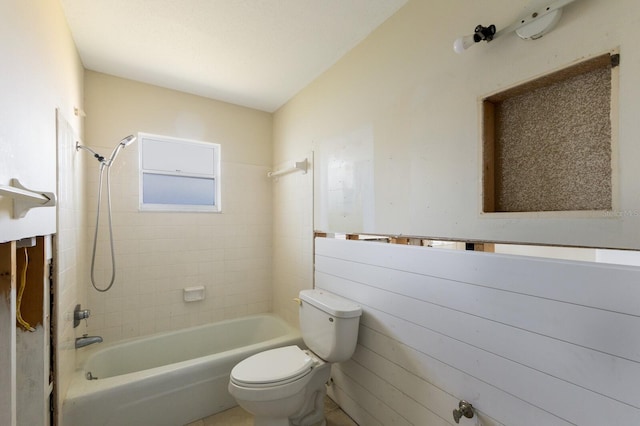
(83, 354)
(80, 387)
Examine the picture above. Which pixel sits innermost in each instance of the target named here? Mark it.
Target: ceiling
(255, 53)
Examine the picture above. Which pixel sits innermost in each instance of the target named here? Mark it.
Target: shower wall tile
(70, 251)
(292, 239)
(158, 254)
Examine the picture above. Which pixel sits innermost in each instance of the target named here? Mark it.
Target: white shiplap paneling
(528, 341)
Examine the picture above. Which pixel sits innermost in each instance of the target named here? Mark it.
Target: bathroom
(402, 103)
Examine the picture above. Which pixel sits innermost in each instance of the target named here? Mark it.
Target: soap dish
(193, 294)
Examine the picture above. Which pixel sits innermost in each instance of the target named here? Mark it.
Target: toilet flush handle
(297, 300)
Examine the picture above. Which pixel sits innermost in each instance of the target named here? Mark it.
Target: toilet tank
(329, 324)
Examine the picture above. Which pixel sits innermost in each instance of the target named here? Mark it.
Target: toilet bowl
(286, 386)
(282, 384)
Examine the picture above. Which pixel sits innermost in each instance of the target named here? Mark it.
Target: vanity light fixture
(530, 27)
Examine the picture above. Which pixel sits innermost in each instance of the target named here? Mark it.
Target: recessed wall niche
(547, 143)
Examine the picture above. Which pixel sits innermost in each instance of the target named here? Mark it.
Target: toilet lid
(275, 365)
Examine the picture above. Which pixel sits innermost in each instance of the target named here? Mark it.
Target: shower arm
(124, 142)
(99, 157)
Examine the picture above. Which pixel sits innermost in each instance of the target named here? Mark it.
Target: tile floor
(238, 417)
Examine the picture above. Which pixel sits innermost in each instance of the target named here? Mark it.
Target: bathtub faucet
(85, 340)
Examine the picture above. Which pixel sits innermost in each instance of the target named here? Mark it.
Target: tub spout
(85, 340)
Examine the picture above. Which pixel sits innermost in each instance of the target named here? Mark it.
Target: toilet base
(311, 413)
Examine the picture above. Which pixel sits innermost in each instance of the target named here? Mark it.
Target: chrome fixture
(85, 340)
(105, 163)
(123, 143)
(530, 27)
(464, 409)
(80, 314)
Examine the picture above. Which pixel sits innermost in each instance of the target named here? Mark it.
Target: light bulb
(463, 43)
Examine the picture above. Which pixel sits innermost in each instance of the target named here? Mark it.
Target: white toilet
(286, 386)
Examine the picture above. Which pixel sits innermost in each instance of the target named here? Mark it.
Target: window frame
(214, 175)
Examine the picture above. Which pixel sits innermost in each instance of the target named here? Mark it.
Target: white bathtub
(168, 378)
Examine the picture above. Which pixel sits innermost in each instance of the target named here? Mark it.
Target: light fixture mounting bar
(533, 16)
(529, 27)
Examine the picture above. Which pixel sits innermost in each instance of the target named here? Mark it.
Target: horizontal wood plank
(582, 283)
(448, 326)
(374, 406)
(556, 343)
(485, 397)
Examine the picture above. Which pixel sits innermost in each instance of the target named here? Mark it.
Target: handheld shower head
(124, 142)
(127, 141)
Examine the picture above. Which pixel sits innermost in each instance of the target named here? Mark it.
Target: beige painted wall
(158, 254)
(396, 122)
(395, 131)
(402, 97)
(41, 72)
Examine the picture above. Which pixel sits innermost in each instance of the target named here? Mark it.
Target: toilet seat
(272, 368)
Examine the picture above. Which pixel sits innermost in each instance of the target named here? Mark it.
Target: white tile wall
(158, 254)
(71, 252)
(293, 240)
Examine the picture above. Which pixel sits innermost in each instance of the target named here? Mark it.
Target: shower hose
(95, 235)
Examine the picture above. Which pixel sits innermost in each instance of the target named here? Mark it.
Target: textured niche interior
(548, 147)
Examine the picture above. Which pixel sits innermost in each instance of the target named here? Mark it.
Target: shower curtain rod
(298, 166)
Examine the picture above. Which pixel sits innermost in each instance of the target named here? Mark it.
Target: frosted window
(166, 189)
(179, 175)
(180, 157)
